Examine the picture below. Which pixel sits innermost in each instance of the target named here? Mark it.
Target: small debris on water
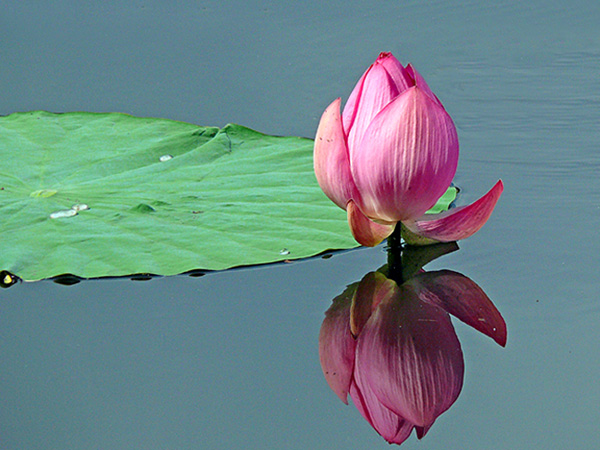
(164, 158)
(80, 207)
(7, 279)
(63, 213)
(284, 251)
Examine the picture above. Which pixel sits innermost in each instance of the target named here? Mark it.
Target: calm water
(229, 360)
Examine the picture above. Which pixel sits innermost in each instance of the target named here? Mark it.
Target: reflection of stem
(394, 250)
(415, 257)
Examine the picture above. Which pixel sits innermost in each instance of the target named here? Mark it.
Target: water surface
(229, 360)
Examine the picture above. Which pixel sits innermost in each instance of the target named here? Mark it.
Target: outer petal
(336, 344)
(384, 80)
(457, 223)
(406, 159)
(331, 161)
(365, 231)
(463, 298)
(388, 424)
(373, 290)
(410, 357)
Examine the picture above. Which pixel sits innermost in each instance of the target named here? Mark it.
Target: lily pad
(98, 195)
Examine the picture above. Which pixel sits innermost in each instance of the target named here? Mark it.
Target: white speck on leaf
(63, 213)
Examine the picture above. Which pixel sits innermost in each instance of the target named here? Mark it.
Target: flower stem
(394, 249)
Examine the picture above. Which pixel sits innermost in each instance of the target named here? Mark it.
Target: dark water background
(229, 360)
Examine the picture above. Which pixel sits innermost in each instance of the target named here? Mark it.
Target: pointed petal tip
(422, 431)
(500, 335)
(386, 56)
(502, 343)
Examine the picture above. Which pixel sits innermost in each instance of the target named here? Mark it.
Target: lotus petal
(422, 431)
(336, 344)
(388, 424)
(374, 288)
(384, 80)
(420, 82)
(457, 223)
(365, 231)
(331, 160)
(463, 298)
(406, 159)
(409, 355)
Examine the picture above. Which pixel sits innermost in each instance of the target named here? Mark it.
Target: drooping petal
(384, 80)
(457, 223)
(365, 231)
(406, 159)
(336, 344)
(331, 160)
(463, 298)
(409, 355)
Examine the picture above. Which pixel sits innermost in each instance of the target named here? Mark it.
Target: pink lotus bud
(391, 155)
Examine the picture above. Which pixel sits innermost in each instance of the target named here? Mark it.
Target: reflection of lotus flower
(391, 155)
(394, 349)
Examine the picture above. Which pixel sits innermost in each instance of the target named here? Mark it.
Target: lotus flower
(394, 350)
(391, 155)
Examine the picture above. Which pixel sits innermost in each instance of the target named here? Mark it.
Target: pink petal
(401, 78)
(331, 161)
(365, 231)
(420, 82)
(406, 159)
(389, 425)
(457, 223)
(422, 431)
(336, 344)
(409, 356)
(384, 80)
(374, 288)
(463, 298)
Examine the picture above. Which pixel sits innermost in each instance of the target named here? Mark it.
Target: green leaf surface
(227, 197)
(445, 201)
(155, 196)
